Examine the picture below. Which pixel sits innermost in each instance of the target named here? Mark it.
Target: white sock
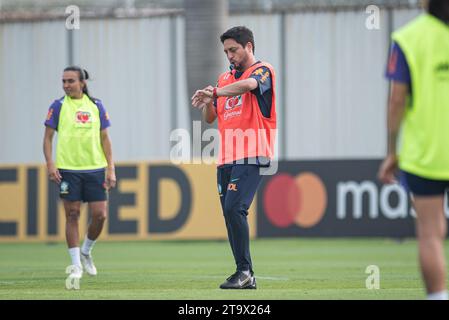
(88, 244)
(246, 273)
(442, 295)
(75, 255)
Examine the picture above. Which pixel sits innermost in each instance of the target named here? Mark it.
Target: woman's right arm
(52, 171)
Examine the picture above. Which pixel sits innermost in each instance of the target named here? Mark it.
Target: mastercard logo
(299, 200)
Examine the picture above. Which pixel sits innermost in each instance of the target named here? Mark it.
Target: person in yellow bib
(84, 169)
(419, 113)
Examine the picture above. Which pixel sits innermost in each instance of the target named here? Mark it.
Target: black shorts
(422, 186)
(83, 186)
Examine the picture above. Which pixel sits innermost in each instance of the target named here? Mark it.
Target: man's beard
(239, 66)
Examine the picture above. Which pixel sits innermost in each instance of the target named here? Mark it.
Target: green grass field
(285, 269)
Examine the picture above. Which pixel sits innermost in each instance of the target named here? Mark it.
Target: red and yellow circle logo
(300, 200)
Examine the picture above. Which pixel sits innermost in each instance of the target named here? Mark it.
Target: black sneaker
(253, 284)
(238, 280)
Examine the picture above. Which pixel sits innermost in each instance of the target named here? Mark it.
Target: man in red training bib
(244, 104)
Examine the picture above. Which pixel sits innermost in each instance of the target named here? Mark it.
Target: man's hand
(388, 169)
(110, 178)
(53, 173)
(202, 97)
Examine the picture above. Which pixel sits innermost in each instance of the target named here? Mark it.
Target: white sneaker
(75, 271)
(88, 264)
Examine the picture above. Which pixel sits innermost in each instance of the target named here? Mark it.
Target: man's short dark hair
(242, 35)
(440, 9)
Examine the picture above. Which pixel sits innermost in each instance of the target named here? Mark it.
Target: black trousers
(237, 185)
